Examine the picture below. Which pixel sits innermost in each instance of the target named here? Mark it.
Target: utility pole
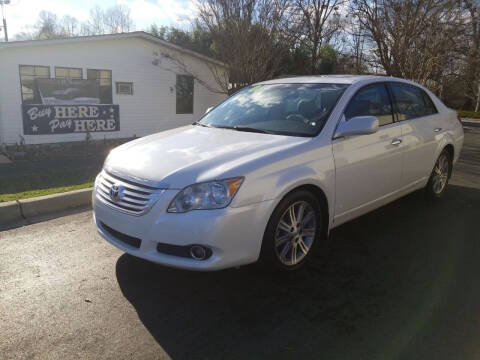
(2, 4)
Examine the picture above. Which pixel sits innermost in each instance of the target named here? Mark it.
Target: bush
(468, 114)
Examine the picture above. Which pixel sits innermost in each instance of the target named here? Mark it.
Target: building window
(28, 74)
(104, 82)
(68, 73)
(124, 88)
(184, 94)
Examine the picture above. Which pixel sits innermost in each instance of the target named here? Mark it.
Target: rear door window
(411, 102)
(431, 109)
(371, 100)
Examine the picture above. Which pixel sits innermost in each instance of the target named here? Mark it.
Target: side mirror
(358, 125)
(208, 109)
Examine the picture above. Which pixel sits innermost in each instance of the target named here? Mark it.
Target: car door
(367, 167)
(421, 124)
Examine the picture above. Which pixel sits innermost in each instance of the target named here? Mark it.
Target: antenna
(2, 3)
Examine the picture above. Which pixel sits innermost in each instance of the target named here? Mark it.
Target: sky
(21, 14)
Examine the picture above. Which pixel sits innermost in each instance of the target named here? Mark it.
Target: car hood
(183, 156)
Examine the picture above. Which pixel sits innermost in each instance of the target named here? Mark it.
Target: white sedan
(270, 171)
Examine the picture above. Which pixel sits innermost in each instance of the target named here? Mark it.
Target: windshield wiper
(251, 129)
(238, 128)
(200, 124)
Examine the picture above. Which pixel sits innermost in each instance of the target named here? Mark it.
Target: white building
(113, 86)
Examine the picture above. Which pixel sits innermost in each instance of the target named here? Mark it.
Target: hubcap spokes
(295, 233)
(440, 174)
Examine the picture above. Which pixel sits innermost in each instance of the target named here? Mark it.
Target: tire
(288, 246)
(438, 181)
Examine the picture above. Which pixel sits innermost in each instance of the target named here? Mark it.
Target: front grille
(136, 198)
(127, 239)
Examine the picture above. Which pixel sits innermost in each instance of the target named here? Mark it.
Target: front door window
(371, 100)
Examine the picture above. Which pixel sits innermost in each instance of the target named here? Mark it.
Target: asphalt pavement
(399, 283)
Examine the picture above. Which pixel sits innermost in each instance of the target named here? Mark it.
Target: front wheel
(438, 181)
(292, 231)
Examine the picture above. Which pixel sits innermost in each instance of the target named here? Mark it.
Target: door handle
(396, 142)
(437, 129)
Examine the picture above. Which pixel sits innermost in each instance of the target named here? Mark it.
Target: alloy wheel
(440, 174)
(295, 233)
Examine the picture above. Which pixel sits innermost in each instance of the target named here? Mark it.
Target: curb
(471, 122)
(15, 212)
(10, 213)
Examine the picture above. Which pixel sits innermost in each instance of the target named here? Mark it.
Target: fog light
(198, 252)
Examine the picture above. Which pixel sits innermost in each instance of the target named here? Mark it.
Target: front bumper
(233, 234)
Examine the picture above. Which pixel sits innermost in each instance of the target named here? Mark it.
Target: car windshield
(284, 109)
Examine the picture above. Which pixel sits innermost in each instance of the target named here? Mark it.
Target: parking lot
(399, 283)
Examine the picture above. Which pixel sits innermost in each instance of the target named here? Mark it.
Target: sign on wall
(63, 119)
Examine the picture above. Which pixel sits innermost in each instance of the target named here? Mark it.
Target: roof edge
(134, 34)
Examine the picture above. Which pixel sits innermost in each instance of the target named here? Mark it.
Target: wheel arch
(319, 193)
(446, 143)
(451, 152)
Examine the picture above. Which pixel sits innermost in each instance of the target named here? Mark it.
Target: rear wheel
(292, 231)
(438, 181)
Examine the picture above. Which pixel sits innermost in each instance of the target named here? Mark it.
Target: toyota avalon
(267, 173)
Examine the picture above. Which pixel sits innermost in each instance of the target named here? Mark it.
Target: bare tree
(472, 51)
(113, 20)
(117, 19)
(313, 25)
(246, 37)
(354, 57)
(412, 38)
(95, 24)
(47, 26)
(70, 26)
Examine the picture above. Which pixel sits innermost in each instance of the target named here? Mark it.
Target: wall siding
(150, 109)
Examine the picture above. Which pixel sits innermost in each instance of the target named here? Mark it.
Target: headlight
(208, 195)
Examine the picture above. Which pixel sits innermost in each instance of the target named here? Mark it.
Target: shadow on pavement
(400, 282)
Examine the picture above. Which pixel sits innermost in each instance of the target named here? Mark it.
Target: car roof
(328, 79)
(348, 80)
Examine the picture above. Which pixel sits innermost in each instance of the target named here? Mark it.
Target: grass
(469, 114)
(26, 179)
(42, 192)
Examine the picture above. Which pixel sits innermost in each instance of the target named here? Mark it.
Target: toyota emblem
(116, 192)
